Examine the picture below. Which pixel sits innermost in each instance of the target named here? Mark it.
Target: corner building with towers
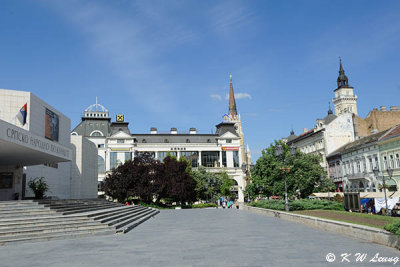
(221, 151)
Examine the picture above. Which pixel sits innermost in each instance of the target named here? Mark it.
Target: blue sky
(167, 63)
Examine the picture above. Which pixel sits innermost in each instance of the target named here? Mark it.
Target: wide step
(32, 221)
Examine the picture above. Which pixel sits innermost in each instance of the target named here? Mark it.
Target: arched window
(74, 133)
(100, 164)
(96, 133)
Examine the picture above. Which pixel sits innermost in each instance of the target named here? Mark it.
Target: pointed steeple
(342, 80)
(232, 102)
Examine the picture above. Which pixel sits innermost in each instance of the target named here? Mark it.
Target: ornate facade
(222, 151)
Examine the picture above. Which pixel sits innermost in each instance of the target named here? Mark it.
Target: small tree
(39, 187)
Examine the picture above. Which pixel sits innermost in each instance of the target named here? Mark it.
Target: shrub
(393, 227)
(39, 187)
(302, 204)
(204, 205)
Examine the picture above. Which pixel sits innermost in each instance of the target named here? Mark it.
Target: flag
(21, 115)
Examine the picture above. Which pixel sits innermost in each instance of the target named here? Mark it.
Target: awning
(326, 194)
(23, 148)
(375, 194)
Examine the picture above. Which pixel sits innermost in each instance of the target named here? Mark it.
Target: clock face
(120, 117)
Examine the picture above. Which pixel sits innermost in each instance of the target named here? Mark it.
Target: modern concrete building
(35, 142)
(223, 150)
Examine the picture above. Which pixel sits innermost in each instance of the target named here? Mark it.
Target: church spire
(342, 80)
(232, 102)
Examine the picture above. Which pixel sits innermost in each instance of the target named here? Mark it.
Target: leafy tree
(203, 179)
(212, 185)
(181, 185)
(138, 177)
(305, 172)
(226, 185)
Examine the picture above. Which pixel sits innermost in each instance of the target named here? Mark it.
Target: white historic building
(222, 151)
(334, 130)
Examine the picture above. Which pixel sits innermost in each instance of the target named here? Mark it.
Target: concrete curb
(366, 233)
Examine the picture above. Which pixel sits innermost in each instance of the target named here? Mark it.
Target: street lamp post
(390, 172)
(376, 173)
(279, 151)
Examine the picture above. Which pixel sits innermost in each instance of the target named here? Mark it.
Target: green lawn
(376, 221)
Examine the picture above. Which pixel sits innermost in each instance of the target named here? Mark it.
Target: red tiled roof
(393, 133)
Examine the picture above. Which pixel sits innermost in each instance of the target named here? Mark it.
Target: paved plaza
(208, 237)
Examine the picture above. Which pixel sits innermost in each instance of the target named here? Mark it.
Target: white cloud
(131, 45)
(240, 96)
(228, 16)
(216, 97)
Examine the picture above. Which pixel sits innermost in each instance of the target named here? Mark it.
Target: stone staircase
(29, 221)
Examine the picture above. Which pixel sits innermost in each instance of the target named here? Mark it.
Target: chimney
(174, 131)
(383, 108)
(153, 130)
(305, 130)
(394, 108)
(192, 131)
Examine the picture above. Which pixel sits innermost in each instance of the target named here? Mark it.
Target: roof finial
(230, 78)
(329, 110)
(340, 62)
(96, 103)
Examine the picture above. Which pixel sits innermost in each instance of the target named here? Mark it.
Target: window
(100, 164)
(96, 133)
(358, 166)
(140, 153)
(236, 159)
(192, 156)
(371, 167)
(210, 159)
(364, 165)
(120, 141)
(113, 160)
(163, 154)
(228, 141)
(397, 161)
(128, 156)
(224, 158)
(385, 164)
(391, 161)
(376, 162)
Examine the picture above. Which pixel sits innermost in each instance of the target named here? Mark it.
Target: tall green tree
(210, 186)
(181, 185)
(268, 176)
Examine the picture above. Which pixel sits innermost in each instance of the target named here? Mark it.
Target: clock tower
(345, 101)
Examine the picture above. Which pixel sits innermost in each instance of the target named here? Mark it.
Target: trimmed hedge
(393, 227)
(204, 205)
(302, 204)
